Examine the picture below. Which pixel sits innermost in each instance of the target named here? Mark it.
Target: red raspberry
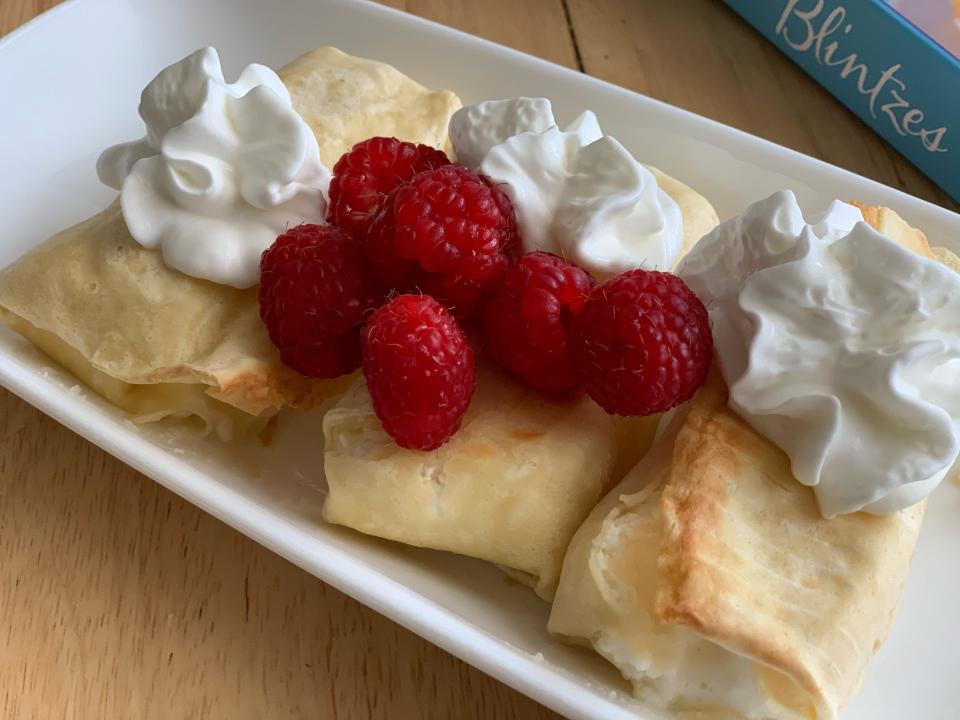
(314, 291)
(642, 343)
(324, 357)
(364, 176)
(528, 317)
(446, 233)
(419, 370)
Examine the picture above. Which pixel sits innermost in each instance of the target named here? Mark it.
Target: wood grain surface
(120, 600)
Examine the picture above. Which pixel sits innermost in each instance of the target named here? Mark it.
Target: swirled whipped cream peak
(840, 346)
(577, 192)
(223, 169)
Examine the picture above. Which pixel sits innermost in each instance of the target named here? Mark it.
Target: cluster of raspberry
(420, 256)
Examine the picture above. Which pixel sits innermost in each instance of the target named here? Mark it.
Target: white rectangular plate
(69, 84)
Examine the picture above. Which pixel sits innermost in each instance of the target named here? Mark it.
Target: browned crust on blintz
(736, 520)
(889, 223)
(710, 453)
(266, 387)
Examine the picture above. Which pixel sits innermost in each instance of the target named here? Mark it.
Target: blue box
(884, 68)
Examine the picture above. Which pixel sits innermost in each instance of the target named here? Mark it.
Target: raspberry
(372, 168)
(446, 233)
(642, 343)
(324, 357)
(419, 370)
(314, 292)
(528, 317)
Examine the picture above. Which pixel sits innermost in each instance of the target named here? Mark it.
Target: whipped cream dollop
(223, 169)
(577, 192)
(838, 345)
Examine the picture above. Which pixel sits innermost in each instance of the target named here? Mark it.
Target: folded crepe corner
(710, 579)
(831, 587)
(346, 99)
(159, 343)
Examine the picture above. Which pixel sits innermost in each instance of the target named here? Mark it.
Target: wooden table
(120, 600)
